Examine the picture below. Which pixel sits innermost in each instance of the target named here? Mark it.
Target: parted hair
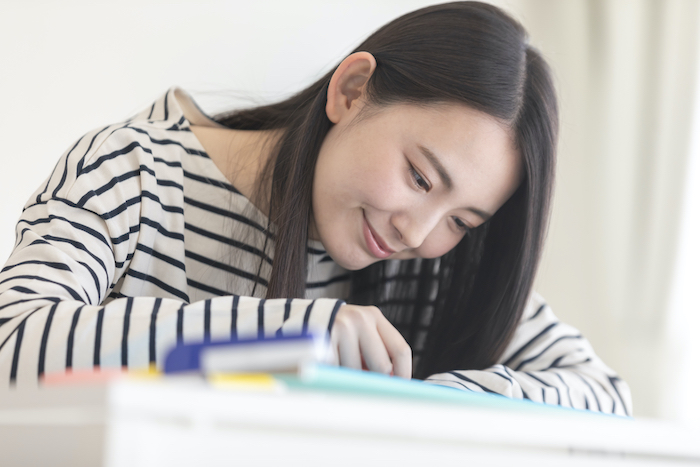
(461, 309)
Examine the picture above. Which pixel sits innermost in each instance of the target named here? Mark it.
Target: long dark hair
(461, 309)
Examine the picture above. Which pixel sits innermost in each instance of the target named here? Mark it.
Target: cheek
(438, 243)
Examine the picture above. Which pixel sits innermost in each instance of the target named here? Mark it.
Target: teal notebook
(339, 379)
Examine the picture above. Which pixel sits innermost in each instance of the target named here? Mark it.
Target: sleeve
(77, 239)
(549, 362)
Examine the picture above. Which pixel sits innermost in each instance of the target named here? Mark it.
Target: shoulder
(150, 145)
(535, 306)
(161, 126)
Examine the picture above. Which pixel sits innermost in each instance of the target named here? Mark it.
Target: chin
(353, 265)
(350, 260)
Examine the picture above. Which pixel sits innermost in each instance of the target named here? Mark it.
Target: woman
(414, 179)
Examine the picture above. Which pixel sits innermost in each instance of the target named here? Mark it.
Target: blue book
(260, 355)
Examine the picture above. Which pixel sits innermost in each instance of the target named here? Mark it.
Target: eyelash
(421, 183)
(460, 224)
(418, 179)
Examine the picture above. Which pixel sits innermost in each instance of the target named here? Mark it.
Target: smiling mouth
(375, 244)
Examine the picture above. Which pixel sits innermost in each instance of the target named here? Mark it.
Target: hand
(363, 337)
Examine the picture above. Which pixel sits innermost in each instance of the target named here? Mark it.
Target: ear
(348, 83)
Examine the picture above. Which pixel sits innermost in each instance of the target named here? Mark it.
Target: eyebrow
(446, 179)
(437, 165)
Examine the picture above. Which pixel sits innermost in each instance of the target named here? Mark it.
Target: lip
(376, 245)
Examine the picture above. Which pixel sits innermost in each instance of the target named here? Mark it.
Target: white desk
(186, 423)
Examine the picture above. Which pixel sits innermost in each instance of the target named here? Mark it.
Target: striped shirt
(137, 241)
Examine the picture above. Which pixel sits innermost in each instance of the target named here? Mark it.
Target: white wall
(67, 67)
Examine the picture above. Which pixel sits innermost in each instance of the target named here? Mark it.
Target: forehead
(462, 124)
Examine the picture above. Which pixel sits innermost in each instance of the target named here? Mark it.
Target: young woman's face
(408, 181)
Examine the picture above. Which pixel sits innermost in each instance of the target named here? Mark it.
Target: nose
(414, 226)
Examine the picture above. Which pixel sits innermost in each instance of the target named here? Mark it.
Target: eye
(418, 179)
(460, 224)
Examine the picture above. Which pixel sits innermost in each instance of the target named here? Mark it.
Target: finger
(374, 352)
(397, 348)
(349, 350)
(333, 360)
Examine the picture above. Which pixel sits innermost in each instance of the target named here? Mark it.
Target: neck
(241, 156)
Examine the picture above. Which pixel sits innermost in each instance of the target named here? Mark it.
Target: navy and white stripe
(137, 241)
(548, 361)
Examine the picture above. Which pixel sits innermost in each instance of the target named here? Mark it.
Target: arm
(92, 228)
(548, 361)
